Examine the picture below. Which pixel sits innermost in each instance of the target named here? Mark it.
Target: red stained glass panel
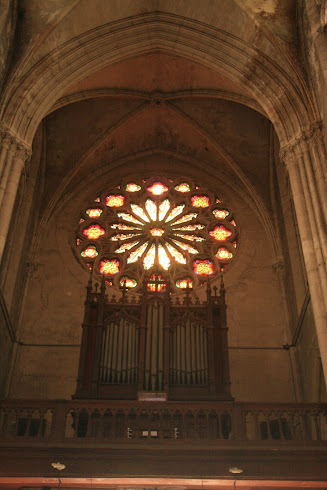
(157, 189)
(115, 201)
(128, 282)
(93, 232)
(94, 212)
(200, 201)
(90, 252)
(186, 283)
(220, 213)
(224, 254)
(109, 266)
(183, 188)
(133, 187)
(203, 267)
(220, 233)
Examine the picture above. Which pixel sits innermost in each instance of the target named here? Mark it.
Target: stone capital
(278, 268)
(22, 152)
(15, 145)
(302, 143)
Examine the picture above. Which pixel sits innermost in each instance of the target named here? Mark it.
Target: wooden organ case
(154, 345)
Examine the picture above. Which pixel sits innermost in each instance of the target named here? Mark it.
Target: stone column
(305, 160)
(13, 155)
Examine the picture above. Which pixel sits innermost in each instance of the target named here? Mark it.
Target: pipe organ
(154, 343)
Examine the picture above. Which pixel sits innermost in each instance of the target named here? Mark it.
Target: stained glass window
(129, 217)
(151, 208)
(90, 252)
(139, 212)
(121, 226)
(203, 267)
(220, 233)
(186, 283)
(125, 246)
(109, 266)
(155, 227)
(93, 232)
(157, 231)
(156, 283)
(133, 188)
(113, 201)
(200, 201)
(223, 254)
(175, 212)
(157, 189)
(128, 283)
(148, 260)
(220, 213)
(184, 187)
(94, 212)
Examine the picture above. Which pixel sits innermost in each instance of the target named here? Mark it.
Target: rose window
(157, 228)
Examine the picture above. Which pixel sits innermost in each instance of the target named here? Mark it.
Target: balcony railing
(130, 422)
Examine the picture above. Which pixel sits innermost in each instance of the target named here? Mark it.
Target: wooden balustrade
(166, 422)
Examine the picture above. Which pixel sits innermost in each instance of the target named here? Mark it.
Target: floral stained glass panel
(133, 187)
(157, 232)
(115, 201)
(157, 189)
(94, 212)
(200, 201)
(224, 254)
(155, 284)
(220, 213)
(93, 232)
(183, 188)
(203, 267)
(90, 252)
(220, 233)
(109, 266)
(186, 283)
(128, 282)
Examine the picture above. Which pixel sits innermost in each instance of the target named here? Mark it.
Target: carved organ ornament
(158, 241)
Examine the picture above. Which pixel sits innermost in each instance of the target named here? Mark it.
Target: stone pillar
(305, 160)
(13, 155)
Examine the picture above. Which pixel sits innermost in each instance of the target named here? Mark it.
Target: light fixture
(235, 470)
(58, 466)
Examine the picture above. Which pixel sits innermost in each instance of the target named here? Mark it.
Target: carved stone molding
(30, 267)
(13, 144)
(278, 268)
(308, 139)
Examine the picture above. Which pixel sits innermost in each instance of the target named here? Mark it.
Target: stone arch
(286, 100)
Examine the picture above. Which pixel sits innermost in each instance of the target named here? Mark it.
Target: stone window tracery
(157, 227)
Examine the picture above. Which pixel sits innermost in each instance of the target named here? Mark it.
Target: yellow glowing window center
(157, 232)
